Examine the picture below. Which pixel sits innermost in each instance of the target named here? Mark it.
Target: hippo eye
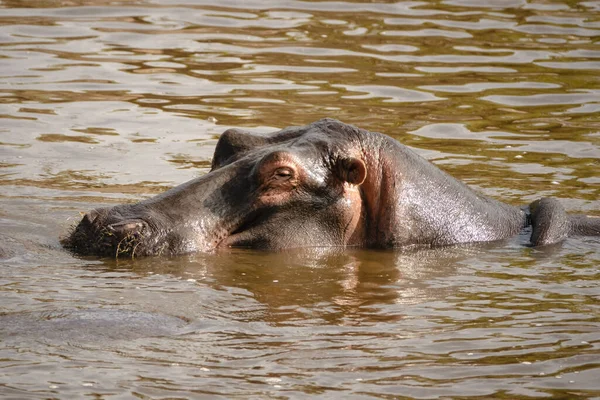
(278, 171)
(282, 173)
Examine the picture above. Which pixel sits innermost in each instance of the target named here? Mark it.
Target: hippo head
(299, 187)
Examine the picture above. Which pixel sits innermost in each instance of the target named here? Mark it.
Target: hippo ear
(234, 142)
(351, 170)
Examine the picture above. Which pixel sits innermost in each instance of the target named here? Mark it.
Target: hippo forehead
(310, 151)
(323, 134)
(318, 143)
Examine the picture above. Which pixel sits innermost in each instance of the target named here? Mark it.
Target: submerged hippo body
(324, 184)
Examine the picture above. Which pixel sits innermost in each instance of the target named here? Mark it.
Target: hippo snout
(107, 232)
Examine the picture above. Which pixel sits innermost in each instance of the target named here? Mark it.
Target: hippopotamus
(323, 184)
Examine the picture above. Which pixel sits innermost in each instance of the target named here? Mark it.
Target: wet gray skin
(324, 184)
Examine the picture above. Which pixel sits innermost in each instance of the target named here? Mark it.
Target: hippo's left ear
(234, 142)
(351, 170)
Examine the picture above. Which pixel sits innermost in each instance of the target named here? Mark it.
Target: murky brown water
(107, 102)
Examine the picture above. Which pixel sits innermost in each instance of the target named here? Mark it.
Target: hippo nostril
(126, 228)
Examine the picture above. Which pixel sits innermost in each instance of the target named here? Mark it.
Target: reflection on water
(105, 102)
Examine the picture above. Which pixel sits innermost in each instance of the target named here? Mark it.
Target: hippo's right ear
(351, 170)
(232, 144)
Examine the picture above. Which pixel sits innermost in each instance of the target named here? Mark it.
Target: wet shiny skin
(110, 105)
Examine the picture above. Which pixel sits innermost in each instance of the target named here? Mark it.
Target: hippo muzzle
(111, 232)
(188, 218)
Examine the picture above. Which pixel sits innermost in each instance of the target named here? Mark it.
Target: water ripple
(104, 103)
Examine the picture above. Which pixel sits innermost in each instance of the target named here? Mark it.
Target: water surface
(108, 102)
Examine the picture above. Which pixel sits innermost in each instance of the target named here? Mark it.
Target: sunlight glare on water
(108, 102)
